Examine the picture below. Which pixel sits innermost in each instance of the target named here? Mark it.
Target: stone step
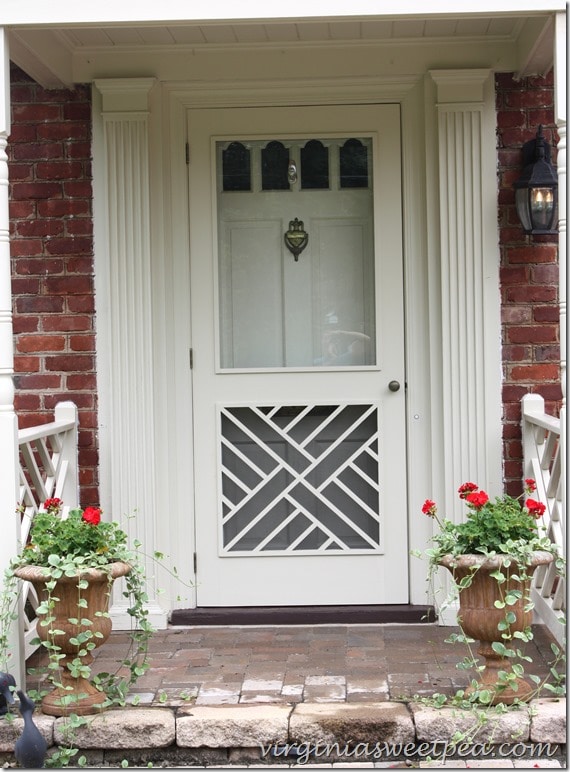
(372, 735)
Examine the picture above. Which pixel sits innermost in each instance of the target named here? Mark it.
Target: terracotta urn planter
(479, 618)
(76, 693)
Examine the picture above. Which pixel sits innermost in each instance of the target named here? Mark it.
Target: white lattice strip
(247, 461)
(236, 480)
(283, 524)
(49, 461)
(322, 425)
(369, 511)
(322, 526)
(254, 492)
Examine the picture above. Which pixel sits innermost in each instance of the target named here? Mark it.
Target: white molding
(460, 87)
(302, 91)
(122, 96)
(69, 12)
(560, 87)
(408, 92)
(470, 301)
(9, 466)
(124, 296)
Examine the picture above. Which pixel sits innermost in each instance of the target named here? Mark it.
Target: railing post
(532, 404)
(67, 411)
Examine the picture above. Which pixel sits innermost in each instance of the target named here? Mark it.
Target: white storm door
(298, 377)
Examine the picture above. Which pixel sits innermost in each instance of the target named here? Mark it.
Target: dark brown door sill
(303, 615)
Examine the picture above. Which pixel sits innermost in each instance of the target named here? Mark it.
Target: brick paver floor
(289, 664)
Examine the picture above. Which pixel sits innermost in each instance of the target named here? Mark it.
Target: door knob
(394, 385)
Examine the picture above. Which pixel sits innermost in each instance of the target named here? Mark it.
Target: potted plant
(492, 556)
(72, 563)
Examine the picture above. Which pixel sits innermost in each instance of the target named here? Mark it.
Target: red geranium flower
(478, 499)
(535, 508)
(92, 515)
(53, 505)
(429, 508)
(530, 485)
(467, 488)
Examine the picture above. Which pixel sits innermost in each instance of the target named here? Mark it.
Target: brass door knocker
(296, 238)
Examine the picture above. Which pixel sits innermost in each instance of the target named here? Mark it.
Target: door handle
(394, 385)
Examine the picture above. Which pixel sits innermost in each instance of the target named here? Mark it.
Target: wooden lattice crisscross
(299, 479)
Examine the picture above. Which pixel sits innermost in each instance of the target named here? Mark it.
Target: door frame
(408, 93)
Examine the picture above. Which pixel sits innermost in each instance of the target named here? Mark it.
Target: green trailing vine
(70, 549)
(506, 535)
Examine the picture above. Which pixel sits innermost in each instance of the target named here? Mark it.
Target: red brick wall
(49, 151)
(529, 269)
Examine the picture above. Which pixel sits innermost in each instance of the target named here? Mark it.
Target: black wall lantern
(536, 192)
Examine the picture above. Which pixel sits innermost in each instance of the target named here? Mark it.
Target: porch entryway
(298, 355)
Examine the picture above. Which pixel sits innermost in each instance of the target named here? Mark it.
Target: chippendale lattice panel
(300, 479)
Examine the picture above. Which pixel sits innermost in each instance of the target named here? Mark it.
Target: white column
(560, 107)
(124, 321)
(470, 298)
(560, 86)
(9, 483)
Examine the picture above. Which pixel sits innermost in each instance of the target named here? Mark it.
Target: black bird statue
(30, 748)
(6, 693)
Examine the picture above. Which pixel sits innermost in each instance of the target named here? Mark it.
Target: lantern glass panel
(523, 208)
(542, 205)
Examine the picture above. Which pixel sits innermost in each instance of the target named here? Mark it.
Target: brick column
(529, 270)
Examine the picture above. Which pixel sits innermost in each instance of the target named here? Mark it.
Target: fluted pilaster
(469, 261)
(124, 313)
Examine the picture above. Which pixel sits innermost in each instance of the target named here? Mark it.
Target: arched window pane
(274, 163)
(353, 164)
(236, 167)
(314, 166)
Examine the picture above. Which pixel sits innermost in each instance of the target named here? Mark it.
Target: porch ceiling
(60, 55)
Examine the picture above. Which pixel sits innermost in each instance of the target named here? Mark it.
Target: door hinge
(191, 358)
(187, 153)
(195, 557)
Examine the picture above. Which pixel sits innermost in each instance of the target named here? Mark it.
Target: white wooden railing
(48, 468)
(544, 447)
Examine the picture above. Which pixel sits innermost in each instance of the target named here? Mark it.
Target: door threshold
(303, 615)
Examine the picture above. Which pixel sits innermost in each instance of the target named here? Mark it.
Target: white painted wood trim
(125, 323)
(69, 12)
(409, 93)
(10, 543)
(466, 251)
(470, 301)
(560, 95)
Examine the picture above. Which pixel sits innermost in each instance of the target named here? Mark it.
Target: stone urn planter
(479, 617)
(73, 599)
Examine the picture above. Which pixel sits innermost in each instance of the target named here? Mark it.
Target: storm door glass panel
(275, 160)
(314, 166)
(315, 309)
(236, 167)
(353, 164)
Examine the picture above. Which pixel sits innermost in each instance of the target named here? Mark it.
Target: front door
(298, 356)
